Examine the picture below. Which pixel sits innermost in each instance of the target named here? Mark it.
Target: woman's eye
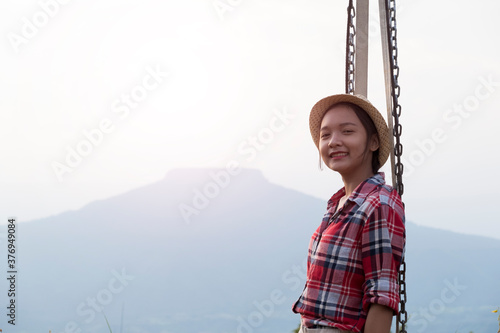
(348, 131)
(324, 135)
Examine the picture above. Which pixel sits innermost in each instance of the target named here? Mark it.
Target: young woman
(355, 254)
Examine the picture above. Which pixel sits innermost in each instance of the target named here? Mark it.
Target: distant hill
(206, 251)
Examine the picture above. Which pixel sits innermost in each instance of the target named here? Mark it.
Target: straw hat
(321, 107)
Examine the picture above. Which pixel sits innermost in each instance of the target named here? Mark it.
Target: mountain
(220, 251)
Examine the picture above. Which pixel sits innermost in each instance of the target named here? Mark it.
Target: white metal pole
(382, 4)
(361, 55)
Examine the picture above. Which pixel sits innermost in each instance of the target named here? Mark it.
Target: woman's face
(343, 144)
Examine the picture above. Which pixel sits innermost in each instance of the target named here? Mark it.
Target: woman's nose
(334, 140)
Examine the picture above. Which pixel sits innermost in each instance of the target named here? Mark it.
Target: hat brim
(325, 104)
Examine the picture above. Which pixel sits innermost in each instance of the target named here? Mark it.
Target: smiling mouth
(338, 155)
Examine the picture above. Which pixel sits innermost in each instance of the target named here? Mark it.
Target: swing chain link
(350, 49)
(402, 316)
(396, 90)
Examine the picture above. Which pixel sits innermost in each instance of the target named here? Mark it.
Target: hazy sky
(101, 97)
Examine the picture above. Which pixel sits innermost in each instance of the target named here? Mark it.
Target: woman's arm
(378, 319)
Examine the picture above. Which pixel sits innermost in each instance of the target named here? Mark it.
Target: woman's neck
(352, 181)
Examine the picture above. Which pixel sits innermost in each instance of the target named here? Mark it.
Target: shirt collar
(361, 191)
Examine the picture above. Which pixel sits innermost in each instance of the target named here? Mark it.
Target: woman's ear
(374, 144)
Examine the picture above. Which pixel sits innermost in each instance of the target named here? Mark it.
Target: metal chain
(350, 49)
(402, 317)
(396, 107)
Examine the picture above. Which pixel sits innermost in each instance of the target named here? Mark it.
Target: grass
(495, 311)
(105, 318)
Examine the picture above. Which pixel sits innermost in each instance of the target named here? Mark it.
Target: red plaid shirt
(354, 258)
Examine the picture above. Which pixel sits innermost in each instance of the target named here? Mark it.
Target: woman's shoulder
(384, 194)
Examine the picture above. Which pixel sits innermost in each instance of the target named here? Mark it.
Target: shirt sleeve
(382, 247)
